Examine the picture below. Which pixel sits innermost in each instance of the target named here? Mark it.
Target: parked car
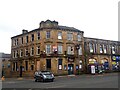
(44, 76)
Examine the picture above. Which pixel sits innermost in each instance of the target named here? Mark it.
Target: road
(80, 81)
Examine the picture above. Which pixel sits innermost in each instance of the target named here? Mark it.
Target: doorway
(70, 69)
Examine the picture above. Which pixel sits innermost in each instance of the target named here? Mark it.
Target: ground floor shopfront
(106, 63)
(65, 65)
(57, 65)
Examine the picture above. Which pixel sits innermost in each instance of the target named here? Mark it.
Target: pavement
(88, 75)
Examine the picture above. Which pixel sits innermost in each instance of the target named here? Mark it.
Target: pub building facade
(52, 47)
(61, 50)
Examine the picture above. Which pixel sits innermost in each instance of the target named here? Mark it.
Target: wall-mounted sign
(54, 48)
(116, 58)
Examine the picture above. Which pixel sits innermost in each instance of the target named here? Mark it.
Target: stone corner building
(60, 49)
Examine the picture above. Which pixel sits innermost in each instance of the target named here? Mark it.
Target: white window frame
(60, 49)
(80, 50)
(38, 35)
(101, 49)
(79, 37)
(32, 51)
(38, 48)
(47, 34)
(21, 53)
(70, 36)
(69, 50)
(59, 35)
(48, 49)
(91, 47)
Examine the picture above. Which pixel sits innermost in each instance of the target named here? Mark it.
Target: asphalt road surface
(79, 81)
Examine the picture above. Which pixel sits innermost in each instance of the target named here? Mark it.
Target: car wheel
(42, 80)
(52, 80)
(35, 80)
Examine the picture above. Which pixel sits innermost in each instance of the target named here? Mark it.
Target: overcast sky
(97, 18)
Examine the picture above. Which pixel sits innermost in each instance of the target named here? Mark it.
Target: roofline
(74, 30)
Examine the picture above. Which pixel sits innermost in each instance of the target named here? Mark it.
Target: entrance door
(70, 69)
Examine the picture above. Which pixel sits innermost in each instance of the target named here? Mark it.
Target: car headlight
(44, 76)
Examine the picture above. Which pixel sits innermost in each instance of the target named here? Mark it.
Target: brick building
(60, 49)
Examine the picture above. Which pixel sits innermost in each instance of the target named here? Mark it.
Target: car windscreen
(46, 73)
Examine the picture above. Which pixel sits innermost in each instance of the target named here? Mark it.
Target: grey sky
(97, 18)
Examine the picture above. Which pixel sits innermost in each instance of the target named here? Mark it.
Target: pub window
(13, 54)
(79, 37)
(69, 36)
(26, 65)
(48, 34)
(16, 41)
(32, 37)
(70, 50)
(80, 50)
(26, 51)
(8, 65)
(21, 40)
(60, 64)
(26, 39)
(16, 54)
(32, 51)
(15, 66)
(32, 67)
(60, 49)
(48, 49)
(59, 35)
(21, 52)
(38, 50)
(38, 35)
(48, 63)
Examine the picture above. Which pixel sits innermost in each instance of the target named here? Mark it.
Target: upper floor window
(38, 50)
(60, 49)
(105, 48)
(101, 49)
(113, 49)
(69, 36)
(38, 35)
(32, 37)
(59, 35)
(26, 39)
(80, 50)
(16, 41)
(48, 49)
(26, 51)
(48, 34)
(79, 37)
(32, 51)
(21, 40)
(21, 52)
(91, 47)
(16, 54)
(70, 50)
